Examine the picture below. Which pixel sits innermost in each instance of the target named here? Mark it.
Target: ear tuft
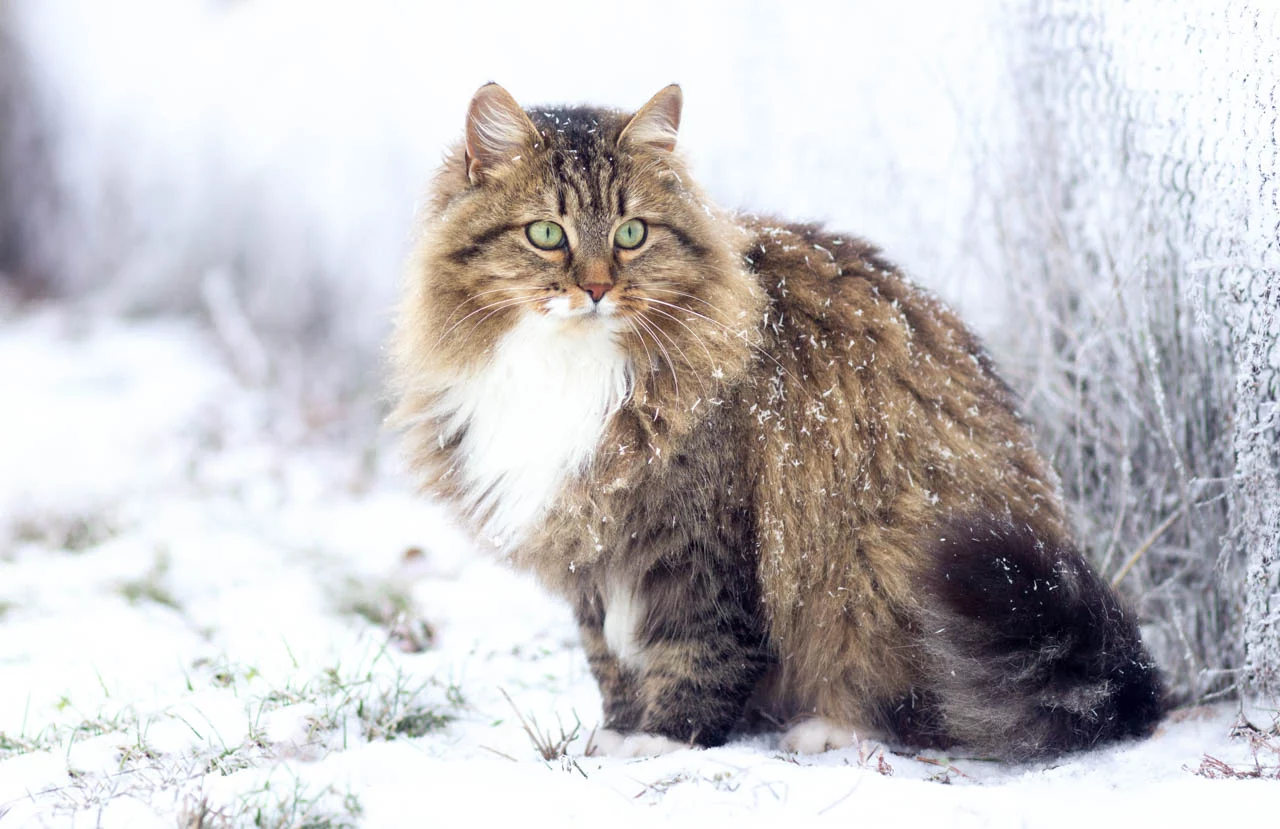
(657, 122)
(497, 131)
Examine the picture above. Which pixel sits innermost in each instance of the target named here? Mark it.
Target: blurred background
(1094, 185)
(271, 151)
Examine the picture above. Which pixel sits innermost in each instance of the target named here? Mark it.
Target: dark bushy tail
(1030, 652)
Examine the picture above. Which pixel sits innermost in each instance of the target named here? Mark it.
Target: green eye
(545, 235)
(631, 235)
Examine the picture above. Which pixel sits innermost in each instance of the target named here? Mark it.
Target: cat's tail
(1030, 652)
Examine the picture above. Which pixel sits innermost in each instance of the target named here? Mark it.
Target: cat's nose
(597, 290)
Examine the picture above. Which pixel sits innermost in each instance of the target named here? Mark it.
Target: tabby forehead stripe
(612, 181)
(602, 179)
(567, 176)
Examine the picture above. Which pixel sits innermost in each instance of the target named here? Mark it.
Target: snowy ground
(204, 613)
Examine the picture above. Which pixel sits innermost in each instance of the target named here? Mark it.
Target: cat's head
(587, 218)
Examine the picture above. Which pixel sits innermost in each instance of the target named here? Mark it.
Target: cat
(776, 482)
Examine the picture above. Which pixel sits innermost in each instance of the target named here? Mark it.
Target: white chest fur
(624, 613)
(532, 417)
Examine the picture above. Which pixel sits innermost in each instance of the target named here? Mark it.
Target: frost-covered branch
(1256, 494)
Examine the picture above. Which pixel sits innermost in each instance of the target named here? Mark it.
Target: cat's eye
(631, 235)
(545, 235)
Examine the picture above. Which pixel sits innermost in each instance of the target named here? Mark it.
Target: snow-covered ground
(207, 613)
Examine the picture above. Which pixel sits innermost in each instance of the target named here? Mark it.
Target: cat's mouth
(563, 307)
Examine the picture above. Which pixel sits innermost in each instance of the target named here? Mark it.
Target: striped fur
(806, 499)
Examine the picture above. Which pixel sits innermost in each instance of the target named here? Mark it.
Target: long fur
(776, 514)
(1030, 653)
(539, 380)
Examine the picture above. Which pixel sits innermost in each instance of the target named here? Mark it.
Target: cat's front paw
(605, 742)
(816, 735)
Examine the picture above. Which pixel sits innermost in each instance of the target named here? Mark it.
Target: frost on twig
(1137, 233)
(1255, 503)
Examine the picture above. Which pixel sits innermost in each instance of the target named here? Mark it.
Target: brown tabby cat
(771, 476)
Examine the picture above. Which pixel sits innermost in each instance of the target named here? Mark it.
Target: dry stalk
(548, 747)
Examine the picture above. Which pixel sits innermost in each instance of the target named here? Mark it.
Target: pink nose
(597, 290)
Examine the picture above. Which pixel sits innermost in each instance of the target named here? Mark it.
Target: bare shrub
(1135, 208)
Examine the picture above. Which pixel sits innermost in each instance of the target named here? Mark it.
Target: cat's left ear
(656, 123)
(498, 131)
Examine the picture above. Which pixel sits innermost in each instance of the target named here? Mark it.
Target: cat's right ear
(498, 132)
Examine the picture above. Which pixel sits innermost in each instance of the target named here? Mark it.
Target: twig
(1146, 545)
(942, 764)
(1215, 769)
(248, 356)
(841, 799)
(500, 753)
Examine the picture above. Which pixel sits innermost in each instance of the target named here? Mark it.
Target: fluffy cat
(775, 480)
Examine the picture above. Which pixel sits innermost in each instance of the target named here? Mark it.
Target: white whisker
(511, 304)
(496, 306)
(701, 382)
(647, 355)
(742, 335)
(692, 333)
(685, 294)
(648, 326)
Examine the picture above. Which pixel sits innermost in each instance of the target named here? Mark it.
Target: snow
(200, 604)
(201, 600)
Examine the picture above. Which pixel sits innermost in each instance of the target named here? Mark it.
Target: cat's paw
(605, 742)
(816, 735)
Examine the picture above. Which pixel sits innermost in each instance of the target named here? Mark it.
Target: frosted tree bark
(1256, 497)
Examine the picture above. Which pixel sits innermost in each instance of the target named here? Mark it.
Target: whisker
(697, 314)
(692, 333)
(469, 298)
(479, 310)
(647, 355)
(677, 347)
(705, 302)
(653, 334)
(648, 326)
(495, 306)
(502, 307)
(739, 335)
